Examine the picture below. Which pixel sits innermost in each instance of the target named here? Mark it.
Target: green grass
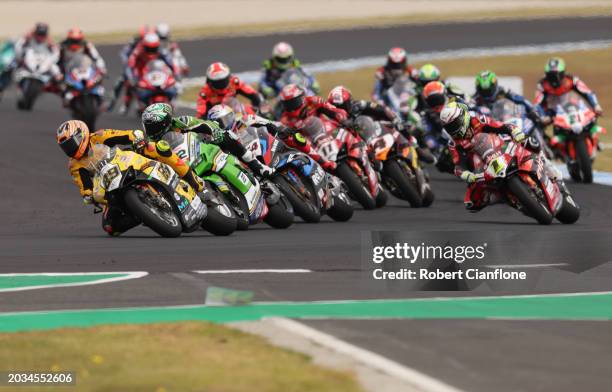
(187, 356)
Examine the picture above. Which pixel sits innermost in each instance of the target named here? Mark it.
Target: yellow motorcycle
(153, 193)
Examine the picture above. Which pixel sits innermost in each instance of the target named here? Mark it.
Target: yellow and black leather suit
(82, 169)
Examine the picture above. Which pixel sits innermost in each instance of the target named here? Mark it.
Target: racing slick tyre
(303, 206)
(428, 197)
(569, 211)
(584, 161)
(239, 205)
(357, 189)
(408, 188)
(31, 88)
(164, 223)
(382, 198)
(220, 219)
(279, 214)
(86, 109)
(342, 210)
(532, 206)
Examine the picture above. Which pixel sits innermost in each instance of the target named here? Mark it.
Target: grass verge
(592, 66)
(187, 356)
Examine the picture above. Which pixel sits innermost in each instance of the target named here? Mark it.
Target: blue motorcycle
(84, 91)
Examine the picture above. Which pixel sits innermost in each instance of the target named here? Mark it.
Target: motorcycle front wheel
(163, 221)
(305, 207)
(532, 206)
(355, 186)
(220, 219)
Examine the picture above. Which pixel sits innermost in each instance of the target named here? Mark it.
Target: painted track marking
(123, 275)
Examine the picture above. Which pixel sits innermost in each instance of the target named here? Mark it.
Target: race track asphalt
(47, 229)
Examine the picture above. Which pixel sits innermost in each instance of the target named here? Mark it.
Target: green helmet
(156, 119)
(555, 71)
(486, 84)
(428, 73)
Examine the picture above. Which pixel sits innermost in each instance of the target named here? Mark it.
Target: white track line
(255, 271)
(128, 275)
(368, 358)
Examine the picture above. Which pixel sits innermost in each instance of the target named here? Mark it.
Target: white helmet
(163, 30)
(282, 50)
(224, 115)
(456, 119)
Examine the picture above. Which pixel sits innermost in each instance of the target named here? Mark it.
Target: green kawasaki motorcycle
(251, 201)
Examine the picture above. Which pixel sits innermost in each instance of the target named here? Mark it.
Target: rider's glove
(469, 177)
(398, 125)
(140, 141)
(329, 166)
(517, 135)
(598, 110)
(266, 171)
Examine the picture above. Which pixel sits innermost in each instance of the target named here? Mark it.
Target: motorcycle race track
(47, 229)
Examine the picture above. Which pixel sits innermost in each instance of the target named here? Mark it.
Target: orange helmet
(434, 94)
(75, 38)
(73, 137)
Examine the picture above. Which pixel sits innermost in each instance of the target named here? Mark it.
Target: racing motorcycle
(520, 176)
(311, 191)
(508, 112)
(251, 201)
(575, 120)
(349, 151)
(148, 190)
(401, 171)
(84, 90)
(7, 64)
(273, 110)
(401, 97)
(157, 84)
(34, 74)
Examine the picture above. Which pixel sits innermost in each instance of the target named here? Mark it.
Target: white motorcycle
(34, 74)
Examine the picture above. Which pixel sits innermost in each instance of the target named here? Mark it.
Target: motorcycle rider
(125, 53)
(556, 83)
(172, 48)
(221, 84)
(282, 59)
(83, 149)
(147, 50)
(395, 67)
(488, 91)
(37, 37)
(158, 119)
(430, 73)
(74, 44)
(462, 125)
(227, 118)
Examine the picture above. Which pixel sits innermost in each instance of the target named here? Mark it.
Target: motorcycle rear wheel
(307, 210)
(528, 201)
(357, 189)
(584, 161)
(170, 227)
(408, 189)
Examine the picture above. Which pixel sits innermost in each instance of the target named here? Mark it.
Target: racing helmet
(340, 97)
(163, 31)
(75, 39)
(41, 31)
(555, 71)
(282, 54)
(455, 118)
(434, 94)
(397, 58)
(157, 119)
(73, 138)
(224, 115)
(292, 98)
(486, 85)
(428, 73)
(150, 42)
(218, 76)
